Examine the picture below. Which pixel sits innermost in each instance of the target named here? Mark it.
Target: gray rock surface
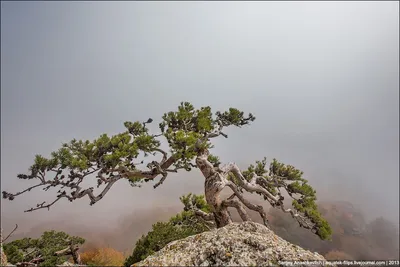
(244, 244)
(70, 264)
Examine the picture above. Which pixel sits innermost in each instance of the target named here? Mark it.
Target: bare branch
(216, 133)
(239, 207)
(256, 185)
(42, 206)
(206, 216)
(165, 154)
(30, 263)
(12, 196)
(303, 221)
(29, 253)
(125, 173)
(65, 251)
(161, 180)
(71, 250)
(37, 260)
(231, 197)
(15, 228)
(248, 204)
(72, 183)
(250, 187)
(79, 194)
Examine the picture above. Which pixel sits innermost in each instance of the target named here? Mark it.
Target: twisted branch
(76, 178)
(258, 184)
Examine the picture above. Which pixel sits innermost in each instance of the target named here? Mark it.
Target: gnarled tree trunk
(216, 179)
(213, 185)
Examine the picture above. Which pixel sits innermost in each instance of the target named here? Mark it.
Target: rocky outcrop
(67, 263)
(244, 244)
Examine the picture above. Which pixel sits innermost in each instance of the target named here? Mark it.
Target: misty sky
(322, 78)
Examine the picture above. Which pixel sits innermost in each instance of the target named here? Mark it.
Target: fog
(322, 79)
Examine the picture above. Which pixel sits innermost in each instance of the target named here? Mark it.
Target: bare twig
(15, 228)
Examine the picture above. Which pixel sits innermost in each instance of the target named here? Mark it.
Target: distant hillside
(352, 237)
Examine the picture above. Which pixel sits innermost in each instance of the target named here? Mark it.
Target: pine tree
(51, 249)
(188, 132)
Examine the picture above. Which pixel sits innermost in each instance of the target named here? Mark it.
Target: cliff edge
(244, 244)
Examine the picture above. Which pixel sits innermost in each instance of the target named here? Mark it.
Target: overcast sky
(322, 78)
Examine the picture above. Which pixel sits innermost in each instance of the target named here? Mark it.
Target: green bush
(45, 246)
(161, 234)
(180, 226)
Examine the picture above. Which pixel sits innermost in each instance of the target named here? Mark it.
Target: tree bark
(216, 180)
(213, 185)
(222, 218)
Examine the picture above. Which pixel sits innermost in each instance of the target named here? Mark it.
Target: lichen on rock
(244, 244)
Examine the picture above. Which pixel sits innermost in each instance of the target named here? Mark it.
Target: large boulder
(244, 244)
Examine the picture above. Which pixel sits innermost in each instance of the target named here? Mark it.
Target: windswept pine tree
(189, 133)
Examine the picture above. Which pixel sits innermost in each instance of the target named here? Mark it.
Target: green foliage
(291, 178)
(182, 225)
(233, 117)
(13, 254)
(214, 160)
(46, 246)
(288, 177)
(78, 156)
(183, 128)
(188, 130)
(196, 201)
(161, 234)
